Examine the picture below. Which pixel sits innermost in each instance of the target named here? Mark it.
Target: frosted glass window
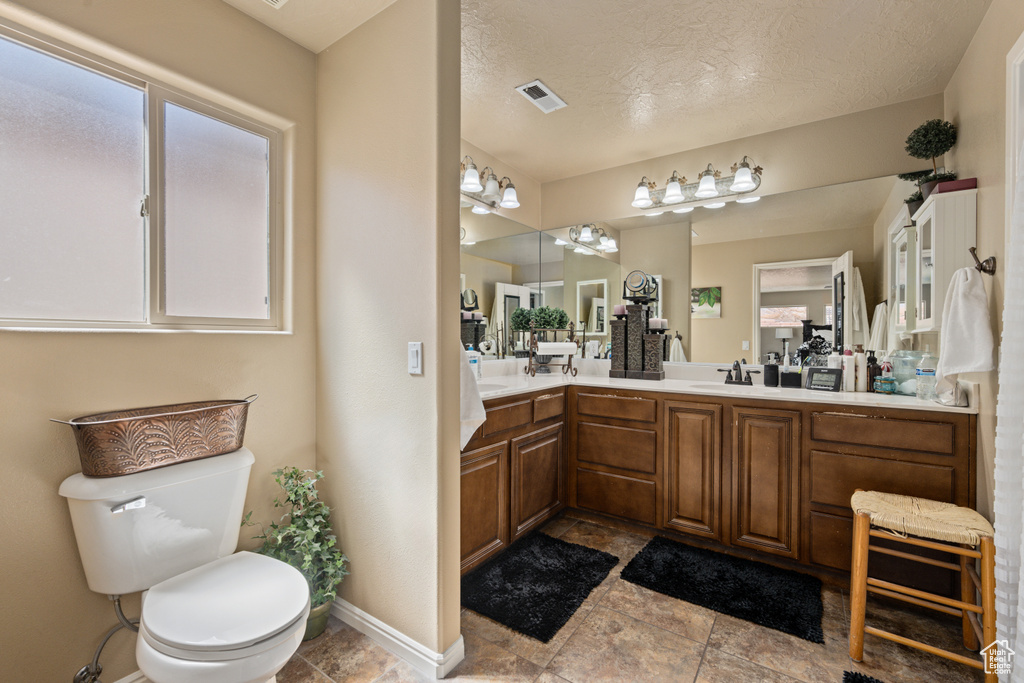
(72, 175)
(783, 316)
(216, 218)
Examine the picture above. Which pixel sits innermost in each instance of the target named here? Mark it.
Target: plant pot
(912, 207)
(316, 623)
(927, 188)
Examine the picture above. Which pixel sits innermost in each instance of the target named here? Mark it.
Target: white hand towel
(471, 407)
(965, 340)
(879, 330)
(675, 351)
(859, 314)
(556, 348)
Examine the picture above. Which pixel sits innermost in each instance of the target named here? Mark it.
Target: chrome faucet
(735, 375)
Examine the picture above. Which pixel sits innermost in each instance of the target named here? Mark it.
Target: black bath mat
(781, 599)
(536, 585)
(857, 677)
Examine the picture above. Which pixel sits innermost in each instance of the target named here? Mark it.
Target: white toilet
(208, 615)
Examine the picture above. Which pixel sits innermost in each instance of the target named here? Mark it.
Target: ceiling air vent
(542, 96)
(276, 4)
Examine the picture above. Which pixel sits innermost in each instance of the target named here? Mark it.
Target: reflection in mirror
(590, 303)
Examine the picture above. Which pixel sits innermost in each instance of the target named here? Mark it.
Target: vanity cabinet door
(484, 489)
(693, 468)
(766, 480)
(538, 478)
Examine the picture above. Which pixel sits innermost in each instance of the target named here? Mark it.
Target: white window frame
(156, 93)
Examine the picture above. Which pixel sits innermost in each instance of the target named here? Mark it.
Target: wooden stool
(912, 520)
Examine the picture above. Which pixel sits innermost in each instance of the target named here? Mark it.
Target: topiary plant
(520, 319)
(930, 140)
(547, 317)
(916, 197)
(306, 541)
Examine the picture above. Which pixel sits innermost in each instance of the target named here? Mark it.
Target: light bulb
(471, 179)
(491, 190)
(716, 205)
(642, 198)
(743, 182)
(685, 209)
(673, 190)
(480, 210)
(748, 200)
(509, 200)
(586, 235)
(707, 184)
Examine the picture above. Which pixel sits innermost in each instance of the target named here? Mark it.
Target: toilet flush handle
(133, 504)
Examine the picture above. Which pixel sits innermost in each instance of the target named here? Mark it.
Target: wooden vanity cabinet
(693, 468)
(513, 476)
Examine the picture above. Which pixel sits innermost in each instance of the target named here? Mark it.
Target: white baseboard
(136, 677)
(422, 658)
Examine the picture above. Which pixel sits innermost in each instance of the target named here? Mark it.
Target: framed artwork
(706, 302)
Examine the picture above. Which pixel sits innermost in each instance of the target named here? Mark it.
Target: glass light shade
(509, 200)
(685, 209)
(748, 200)
(715, 205)
(491, 190)
(673, 192)
(480, 210)
(743, 182)
(560, 242)
(611, 250)
(642, 198)
(655, 214)
(581, 250)
(604, 239)
(471, 180)
(707, 186)
(586, 235)
(466, 244)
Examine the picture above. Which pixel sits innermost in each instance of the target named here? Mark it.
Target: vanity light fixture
(582, 238)
(493, 192)
(479, 210)
(586, 234)
(559, 242)
(685, 209)
(462, 238)
(746, 177)
(714, 205)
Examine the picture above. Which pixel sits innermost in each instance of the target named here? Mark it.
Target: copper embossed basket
(127, 441)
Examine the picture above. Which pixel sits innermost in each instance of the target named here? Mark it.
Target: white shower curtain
(1009, 463)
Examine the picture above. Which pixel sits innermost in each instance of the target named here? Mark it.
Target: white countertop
(498, 385)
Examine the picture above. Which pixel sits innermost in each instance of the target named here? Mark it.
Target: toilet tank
(135, 530)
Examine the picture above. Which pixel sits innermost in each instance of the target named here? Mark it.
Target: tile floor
(623, 632)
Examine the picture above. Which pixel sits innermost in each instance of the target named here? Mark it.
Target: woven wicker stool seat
(922, 517)
(937, 526)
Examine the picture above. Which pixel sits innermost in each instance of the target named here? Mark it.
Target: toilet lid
(228, 604)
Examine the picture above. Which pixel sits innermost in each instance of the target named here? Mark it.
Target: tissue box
(790, 379)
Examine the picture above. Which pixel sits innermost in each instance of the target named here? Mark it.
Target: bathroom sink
(738, 388)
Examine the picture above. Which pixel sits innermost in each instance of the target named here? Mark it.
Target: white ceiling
(313, 24)
(643, 80)
(647, 79)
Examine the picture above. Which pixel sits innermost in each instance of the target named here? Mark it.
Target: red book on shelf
(957, 185)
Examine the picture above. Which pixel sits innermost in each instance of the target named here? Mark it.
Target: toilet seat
(232, 608)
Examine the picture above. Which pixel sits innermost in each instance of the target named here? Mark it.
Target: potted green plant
(520, 322)
(914, 202)
(304, 540)
(930, 140)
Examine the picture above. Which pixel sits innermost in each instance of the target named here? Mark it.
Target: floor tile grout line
(387, 671)
(660, 628)
(316, 668)
(704, 652)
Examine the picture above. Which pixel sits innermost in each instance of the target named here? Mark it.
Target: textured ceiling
(647, 79)
(313, 24)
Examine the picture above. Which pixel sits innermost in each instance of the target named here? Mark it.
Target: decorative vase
(317, 621)
(912, 207)
(926, 188)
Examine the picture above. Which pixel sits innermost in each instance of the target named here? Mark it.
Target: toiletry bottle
(835, 359)
(926, 376)
(849, 379)
(874, 370)
(474, 362)
(860, 362)
(887, 366)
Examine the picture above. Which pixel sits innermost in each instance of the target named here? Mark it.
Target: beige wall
(577, 268)
(481, 276)
(868, 144)
(387, 440)
(893, 207)
(662, 250)
(975, 100)
(730, 266)
(51, 622)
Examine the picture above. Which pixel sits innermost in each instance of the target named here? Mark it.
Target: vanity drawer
(548, 406)
(508, 416)
(621, 447)
(834, 478)
(618, 407)
(883, 432)
(616, 495)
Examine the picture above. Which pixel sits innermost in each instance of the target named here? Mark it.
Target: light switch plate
(746, 345)
(415, 358)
